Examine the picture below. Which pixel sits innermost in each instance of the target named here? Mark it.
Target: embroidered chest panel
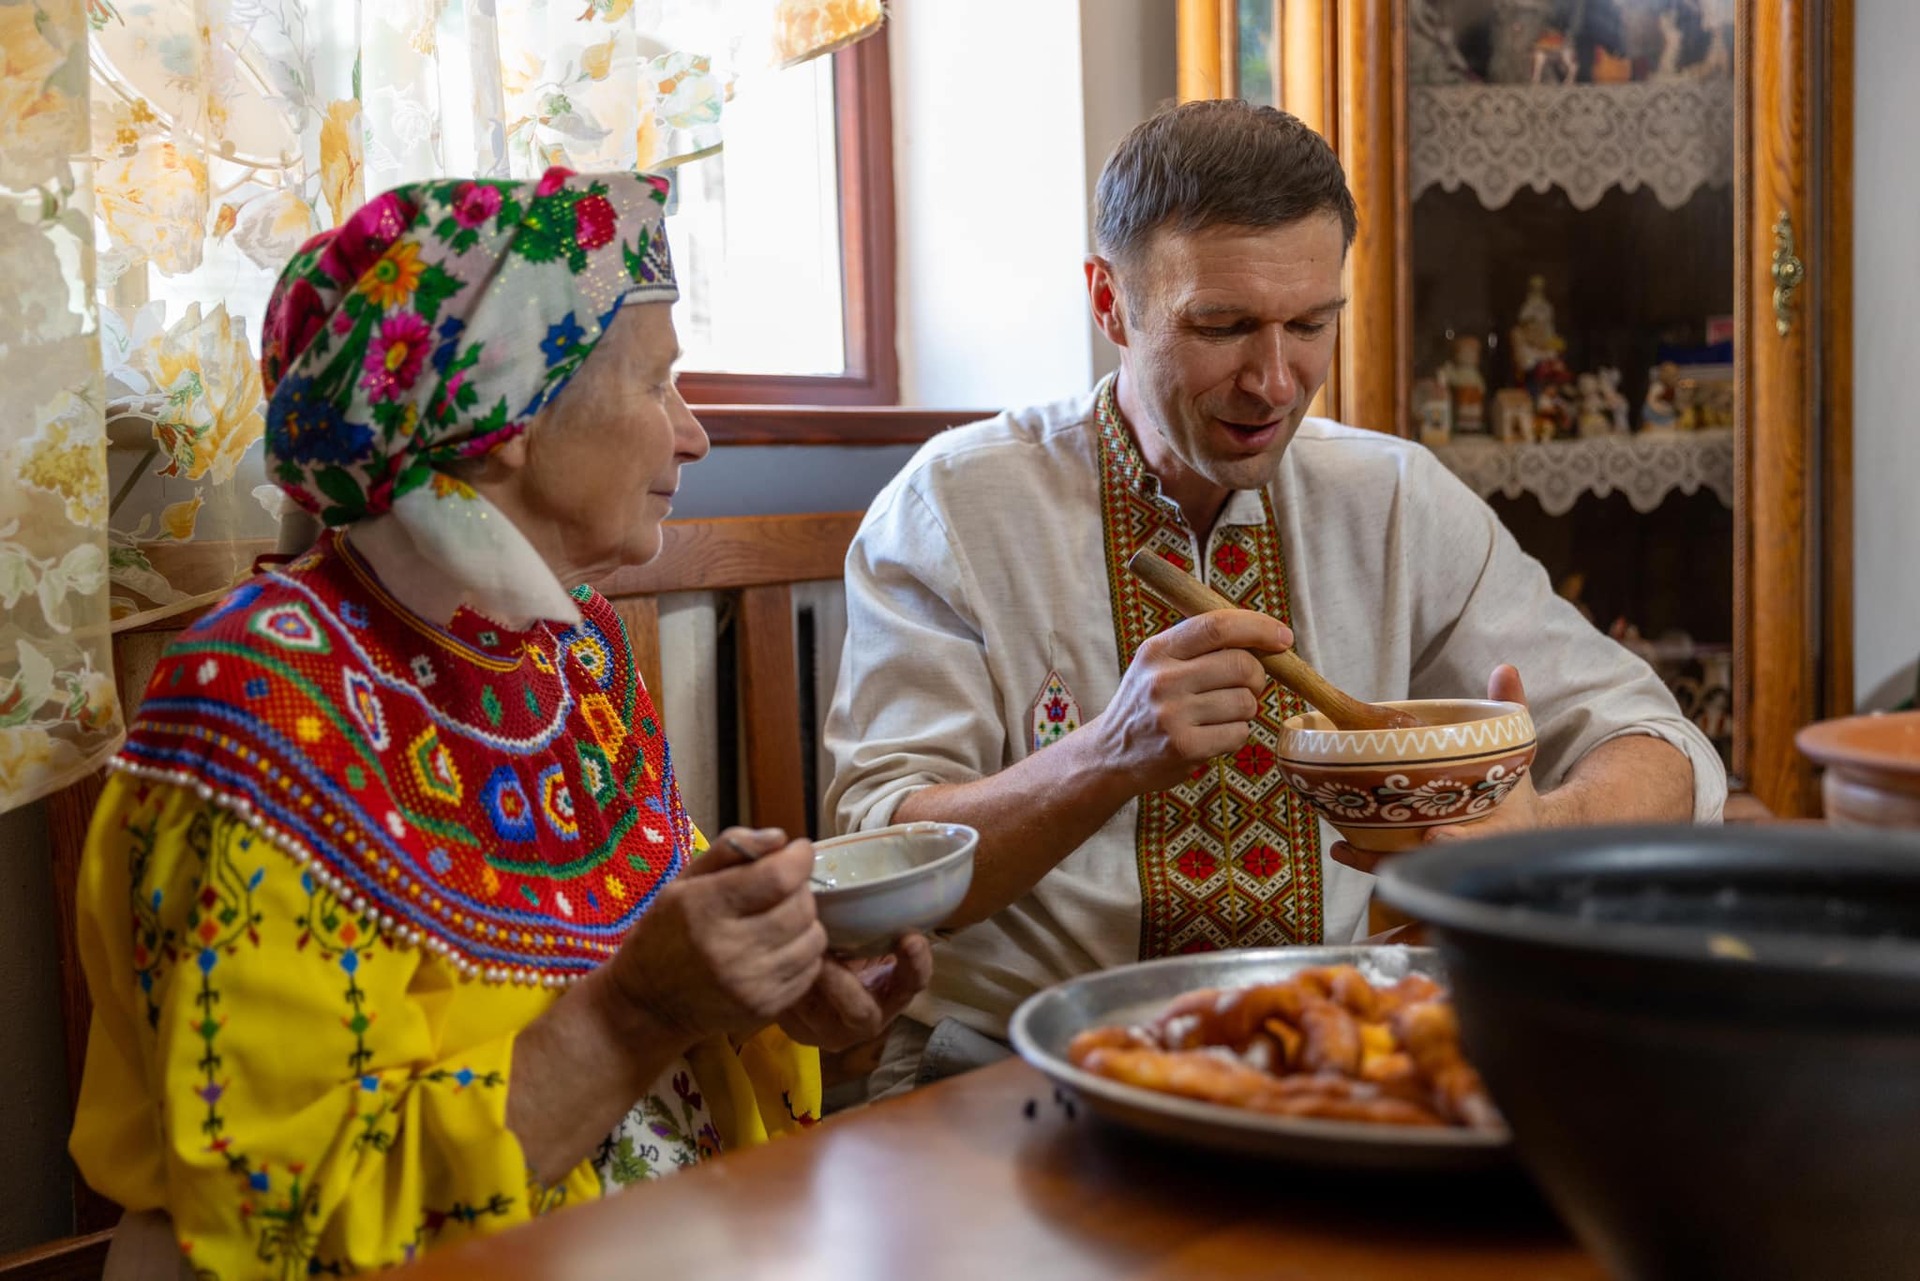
(505, 798)
(1231, 857)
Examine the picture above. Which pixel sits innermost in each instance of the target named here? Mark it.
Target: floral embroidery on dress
(322, 1081)
(1055, 712)
(669, 1129)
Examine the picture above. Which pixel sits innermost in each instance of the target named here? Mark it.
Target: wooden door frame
(1793, 553)
(1793, 615)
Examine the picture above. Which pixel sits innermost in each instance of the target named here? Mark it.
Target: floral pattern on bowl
(1382, 789)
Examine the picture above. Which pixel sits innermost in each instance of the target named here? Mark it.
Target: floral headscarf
(432, 326)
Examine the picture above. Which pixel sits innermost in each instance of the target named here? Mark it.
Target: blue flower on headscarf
(449, 334)
(562, 337)
(307, 426)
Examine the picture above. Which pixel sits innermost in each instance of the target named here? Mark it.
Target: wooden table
(957, 1181)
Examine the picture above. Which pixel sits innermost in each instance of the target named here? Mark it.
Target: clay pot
(1873, 768)
(1382, 789)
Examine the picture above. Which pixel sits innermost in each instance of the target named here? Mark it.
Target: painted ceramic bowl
(890, 881)
(1873, 768)
(1383, 788)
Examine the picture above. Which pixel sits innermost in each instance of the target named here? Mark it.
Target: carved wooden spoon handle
(1191, 598)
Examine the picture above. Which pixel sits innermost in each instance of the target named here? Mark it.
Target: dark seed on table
(1032, 1109)
(1069, 1109)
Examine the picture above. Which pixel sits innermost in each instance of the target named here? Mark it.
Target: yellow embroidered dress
(345, 857)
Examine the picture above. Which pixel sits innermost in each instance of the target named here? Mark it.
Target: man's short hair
(1219, 162)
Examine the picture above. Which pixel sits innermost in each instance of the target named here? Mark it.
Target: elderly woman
(390, 910)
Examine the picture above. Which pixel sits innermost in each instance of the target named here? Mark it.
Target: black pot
(1706, 1040)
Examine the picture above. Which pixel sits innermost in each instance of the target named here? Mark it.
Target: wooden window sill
(830, 425)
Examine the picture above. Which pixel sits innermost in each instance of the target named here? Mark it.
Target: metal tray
(1047, 1021)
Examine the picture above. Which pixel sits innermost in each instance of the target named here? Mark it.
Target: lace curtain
(159, 161)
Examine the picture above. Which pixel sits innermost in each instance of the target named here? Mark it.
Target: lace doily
(1646, 468)
(1671, 136)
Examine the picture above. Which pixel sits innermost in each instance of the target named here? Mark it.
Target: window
(784, 242)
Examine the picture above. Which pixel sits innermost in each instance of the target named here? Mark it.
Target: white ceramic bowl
(890, 881)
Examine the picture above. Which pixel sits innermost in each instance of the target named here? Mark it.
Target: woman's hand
(730, 944)
(725, 948)
(854, 1000)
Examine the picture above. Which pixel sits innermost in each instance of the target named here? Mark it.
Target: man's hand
(1522, 808)
(854, 1000)
(1638, 778)
(1189, 695)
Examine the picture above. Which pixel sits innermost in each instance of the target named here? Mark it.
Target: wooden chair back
(755, 560)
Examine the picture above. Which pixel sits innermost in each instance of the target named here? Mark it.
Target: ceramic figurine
(1533, 338)
(1517, 28)
(1433, 55)
(1552, 414)
(1657, 412)
(1686, 405)
(1610, 396)
(1716, 18)
(1713, 399)
(1433, 411)
(1553, 58)
(1551, 377)
(1610, 68)
(1671, 38)
(1594, 420)
(1513, 416)
(1466, 386)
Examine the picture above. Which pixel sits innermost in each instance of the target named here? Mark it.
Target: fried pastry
(1324, 1043)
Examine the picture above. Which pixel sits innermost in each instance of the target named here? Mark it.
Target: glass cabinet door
(1570, 252)
(1605, 270)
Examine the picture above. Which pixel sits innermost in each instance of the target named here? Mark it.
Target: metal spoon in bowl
(818, 882)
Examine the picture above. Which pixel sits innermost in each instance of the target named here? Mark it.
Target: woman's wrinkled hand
(853, 1000)
(729, 945)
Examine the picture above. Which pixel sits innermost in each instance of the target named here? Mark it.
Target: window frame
(863, 128)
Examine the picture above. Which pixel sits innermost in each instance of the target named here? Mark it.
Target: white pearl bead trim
(298, 852)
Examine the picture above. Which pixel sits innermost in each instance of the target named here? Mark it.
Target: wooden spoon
(1191, 598)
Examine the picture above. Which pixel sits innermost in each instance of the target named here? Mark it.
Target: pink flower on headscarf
(594, 221)
(474, 203)
(361, 240)
(552, 180)
(394, 359)
(299, 313)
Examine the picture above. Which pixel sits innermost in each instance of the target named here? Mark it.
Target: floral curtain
(159, 161)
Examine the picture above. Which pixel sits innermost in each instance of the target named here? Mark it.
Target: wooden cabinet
(1657, 188)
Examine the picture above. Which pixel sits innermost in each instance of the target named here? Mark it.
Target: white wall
(1003, 113)
(1128, 70)
(988, 162)
(1886, 283)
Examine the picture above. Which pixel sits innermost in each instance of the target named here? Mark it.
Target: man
(1004, 670)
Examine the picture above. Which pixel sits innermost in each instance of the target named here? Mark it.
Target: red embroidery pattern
(1231, 857)
(504, 798)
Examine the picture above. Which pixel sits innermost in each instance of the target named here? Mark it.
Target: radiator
(700, 704)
